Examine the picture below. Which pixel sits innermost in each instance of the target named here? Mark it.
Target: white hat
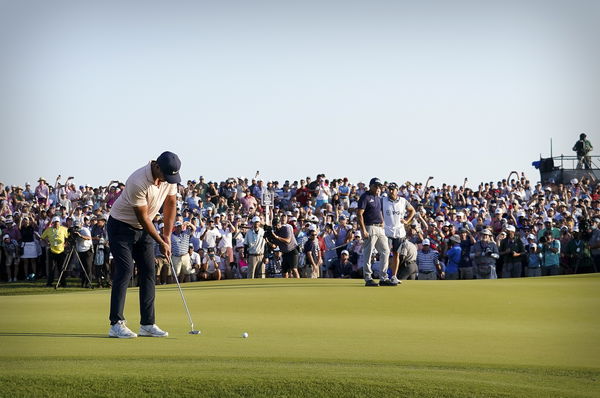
(345, 252)
(178, 223)
(7, 236)
(486, 232)
(498, 211)
(439, 218)
(520, 213)
(55, 219)
(312, 227)
(460, 214)
(531, 236)
(574, 181)
(511, 228)
(256, 219)
(357, 233)
(161, 225)
(426, 242)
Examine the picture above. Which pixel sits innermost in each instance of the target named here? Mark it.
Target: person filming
(83, 245)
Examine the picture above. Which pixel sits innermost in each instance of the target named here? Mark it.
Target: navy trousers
(129, 245)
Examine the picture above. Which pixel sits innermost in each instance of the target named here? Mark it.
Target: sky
(401, 90)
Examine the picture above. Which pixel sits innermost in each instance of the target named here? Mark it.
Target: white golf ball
(245, 335)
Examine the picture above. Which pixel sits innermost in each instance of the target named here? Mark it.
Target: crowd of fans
(509, 228)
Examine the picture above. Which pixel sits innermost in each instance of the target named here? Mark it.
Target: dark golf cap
(170, 164)
(375, 181)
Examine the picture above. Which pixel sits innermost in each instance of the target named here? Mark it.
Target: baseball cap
(392, 185)
(55, 219)
(178, 223)
(7, 236)
(486, 232)
(531, 236)
(510, 228)
(455, 238)
(345, 252)
(375, 181)
(77, 223)
(426, 242)
(256, 219)
(170, 164)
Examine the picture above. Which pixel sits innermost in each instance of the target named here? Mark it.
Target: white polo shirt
(141, 191)
(393, 214)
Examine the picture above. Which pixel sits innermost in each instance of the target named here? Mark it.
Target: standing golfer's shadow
(38, 334)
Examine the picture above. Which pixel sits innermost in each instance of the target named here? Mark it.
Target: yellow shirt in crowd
(56, 237)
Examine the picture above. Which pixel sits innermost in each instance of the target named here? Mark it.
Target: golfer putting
(132, 236)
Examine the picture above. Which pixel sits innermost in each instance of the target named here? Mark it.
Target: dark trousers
(128, 244)
(86, 262)
(289, 260)
(56, 262)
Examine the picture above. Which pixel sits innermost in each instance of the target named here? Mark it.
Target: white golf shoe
(152, 331)
(121, 331)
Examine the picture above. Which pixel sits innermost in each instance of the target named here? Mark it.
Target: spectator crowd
(250, 228)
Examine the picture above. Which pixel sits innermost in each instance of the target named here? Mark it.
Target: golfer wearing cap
(132, 236)
(370, 220)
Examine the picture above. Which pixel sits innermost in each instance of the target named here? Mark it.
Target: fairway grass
(526, 337)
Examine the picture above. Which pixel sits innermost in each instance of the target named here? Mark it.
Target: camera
(488, 252)
(73, 233)
(268, 232)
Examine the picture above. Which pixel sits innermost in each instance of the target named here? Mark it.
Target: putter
(192, 330)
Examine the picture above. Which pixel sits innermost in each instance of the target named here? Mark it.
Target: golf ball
(245, 335)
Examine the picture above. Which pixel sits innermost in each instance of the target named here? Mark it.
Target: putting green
(521, 337)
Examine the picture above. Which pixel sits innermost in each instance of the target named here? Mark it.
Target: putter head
(194, 332)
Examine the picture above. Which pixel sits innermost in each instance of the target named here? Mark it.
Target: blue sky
(399, 90)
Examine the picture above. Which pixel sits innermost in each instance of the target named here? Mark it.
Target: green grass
(526, 337)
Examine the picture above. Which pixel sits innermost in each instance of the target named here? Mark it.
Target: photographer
(282, 235)
(512, 250)
(583, 147)
(83, 245)
(550, 249)
(101, 251)
(484, 254)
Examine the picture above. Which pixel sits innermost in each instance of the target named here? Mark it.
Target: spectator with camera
(550, 250)
(180, 243)
(583, 147)
(484, 254)
(282, 235)
(512, 251)
(83, 245)
(312, 254)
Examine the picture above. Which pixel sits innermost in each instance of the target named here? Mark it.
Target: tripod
(66, 264)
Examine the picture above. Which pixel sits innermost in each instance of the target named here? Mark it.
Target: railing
(573, 161)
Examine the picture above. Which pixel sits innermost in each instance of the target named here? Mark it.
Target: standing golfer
(370, 220)
(132, 236)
